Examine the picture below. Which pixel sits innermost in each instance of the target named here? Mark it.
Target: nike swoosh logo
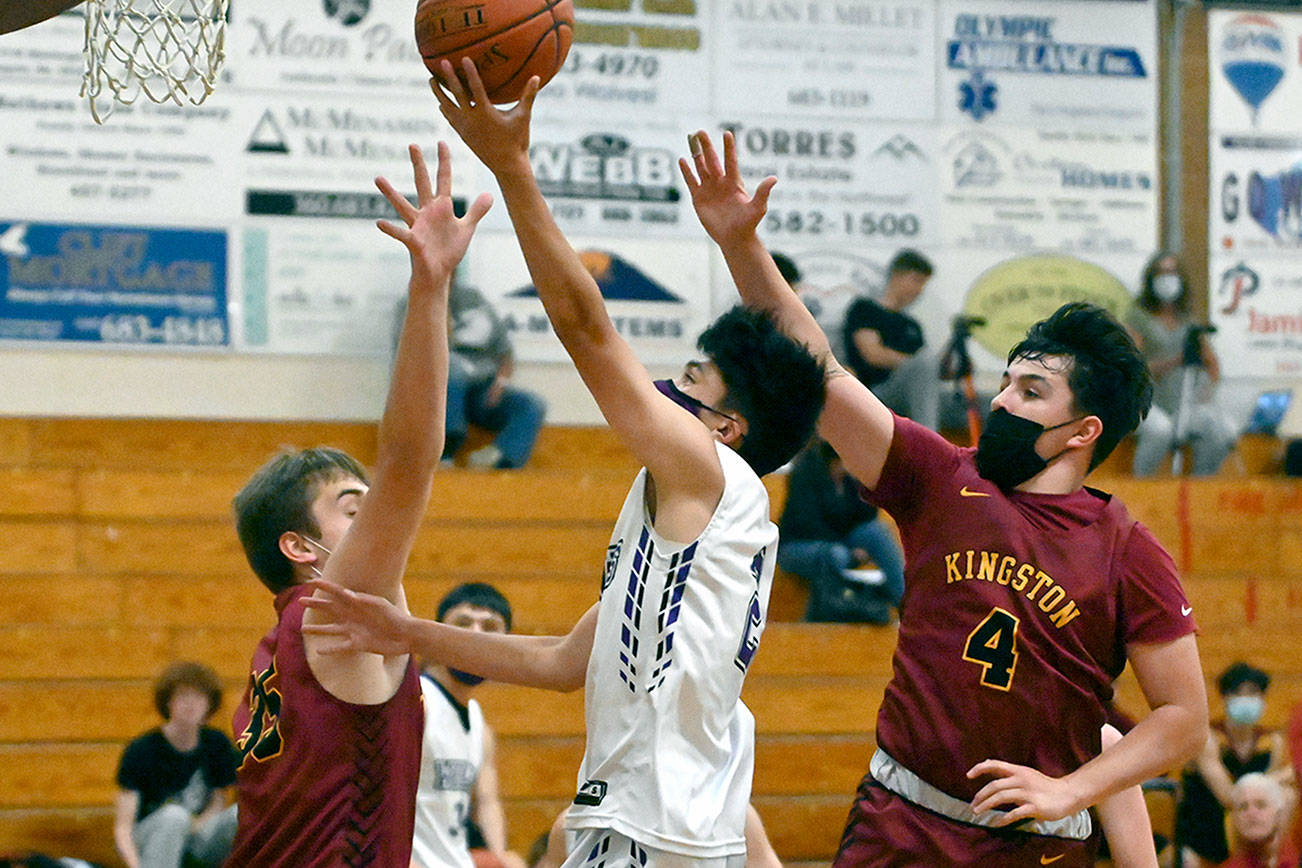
(1185, 610)
(1049, 860)
(967, 492)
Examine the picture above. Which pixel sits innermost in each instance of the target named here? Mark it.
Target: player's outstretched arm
(349, 621)
(676, 449)
(854, 421)
(373, 553)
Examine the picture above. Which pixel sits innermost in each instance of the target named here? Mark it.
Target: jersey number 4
(993, 646)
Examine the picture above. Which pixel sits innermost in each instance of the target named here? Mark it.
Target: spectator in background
(1236, 746)
(827, 530)
(479, 391)
(884, 345)
(174, 797)
(1162, 325)
(1259, 809)
(458, 766)
(826, 306)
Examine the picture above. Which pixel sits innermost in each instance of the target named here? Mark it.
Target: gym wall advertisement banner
(1255, 156)
(113, 285)
(974, 130)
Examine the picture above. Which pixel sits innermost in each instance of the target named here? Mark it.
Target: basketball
(508, 40)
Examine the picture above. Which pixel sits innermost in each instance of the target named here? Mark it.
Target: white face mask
(1245, 710)
(313, 567)
(1167, 287)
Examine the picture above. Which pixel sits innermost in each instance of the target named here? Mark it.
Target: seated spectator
(827, 305)
(1259, 827)
(884, 346)
(1237, 745)
(827, 530)
(1162, 327)
(175, 781)
(479, 391)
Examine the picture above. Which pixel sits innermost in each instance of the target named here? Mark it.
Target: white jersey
(670, 745)
(451, 753)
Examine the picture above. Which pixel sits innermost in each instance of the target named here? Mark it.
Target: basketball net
(169, 50)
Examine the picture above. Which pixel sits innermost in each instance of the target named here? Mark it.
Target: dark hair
(1241, 673)
(278, 498)
(774, 382)
(1108, 376)
(786, 267)
(185, 673)
(478, 594)
(909, 260)
(1148, 299)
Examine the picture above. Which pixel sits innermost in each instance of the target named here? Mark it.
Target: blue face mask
(1245, 710)
(686, 401)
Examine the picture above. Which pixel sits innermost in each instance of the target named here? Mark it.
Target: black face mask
(465, 677)
(1006, 451)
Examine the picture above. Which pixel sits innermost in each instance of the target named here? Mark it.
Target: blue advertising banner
(113, 284)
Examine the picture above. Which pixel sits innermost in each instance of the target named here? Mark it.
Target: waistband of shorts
(888, 772)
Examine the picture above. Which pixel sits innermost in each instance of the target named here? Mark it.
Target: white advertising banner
(1049, 65)
(657, 292)
(1255, 156)
(1082, 192)
(826, 58)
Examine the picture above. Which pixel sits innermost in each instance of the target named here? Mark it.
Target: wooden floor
(117, 556)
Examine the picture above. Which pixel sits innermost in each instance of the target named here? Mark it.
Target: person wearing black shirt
(175, 780)
(826, 531)
(884, 345)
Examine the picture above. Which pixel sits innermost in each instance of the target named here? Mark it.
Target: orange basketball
(509, 40)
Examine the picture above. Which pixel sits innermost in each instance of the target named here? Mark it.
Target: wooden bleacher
(117, 556)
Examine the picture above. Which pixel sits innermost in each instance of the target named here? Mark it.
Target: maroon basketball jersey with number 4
(322, 782)
(1015, 618)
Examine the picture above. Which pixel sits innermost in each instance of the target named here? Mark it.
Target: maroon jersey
(1016, 613)
(322, 782)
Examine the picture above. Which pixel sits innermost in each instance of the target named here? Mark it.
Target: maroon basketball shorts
(887, 830)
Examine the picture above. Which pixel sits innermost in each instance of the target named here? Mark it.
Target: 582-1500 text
(863, 223)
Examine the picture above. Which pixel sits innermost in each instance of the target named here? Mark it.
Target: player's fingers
(709, 159)
(478, 208)
(452, 83)
(443, 186)
(440, 90)
(399, 202)
(531, 88)
(730, 167)
(330, 588)
(689, 176)
(393, 230)
(990, 767)
(421, 171)
(478, 92)
(1016, 815)
(761, 197)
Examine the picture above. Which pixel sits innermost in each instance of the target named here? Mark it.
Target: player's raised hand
(500, 138)
(355, 621)
(433, 234)
(1023, 792)
(718, 193)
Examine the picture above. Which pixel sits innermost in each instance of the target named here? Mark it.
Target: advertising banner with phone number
(113, 285)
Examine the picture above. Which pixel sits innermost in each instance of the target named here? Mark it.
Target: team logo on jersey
(612, 561)
(261, 738)
(591, 793)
